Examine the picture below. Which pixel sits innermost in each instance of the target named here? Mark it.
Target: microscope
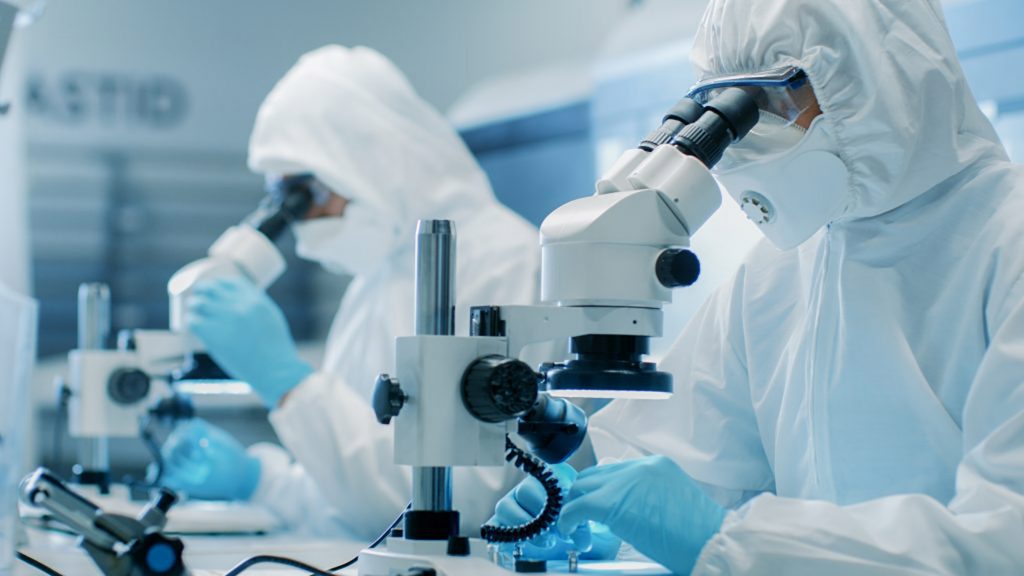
(118, 545)
(609, 263)
(112, 389)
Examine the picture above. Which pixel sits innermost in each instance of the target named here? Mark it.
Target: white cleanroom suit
(859, 400)
(350, 118)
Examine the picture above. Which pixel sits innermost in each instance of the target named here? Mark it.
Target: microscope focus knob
(388, 398)
(676, 268)
(128, 385)
(496, 388)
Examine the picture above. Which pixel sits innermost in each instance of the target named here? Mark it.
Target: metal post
(435, 315)
(435, 278)
(93, 334)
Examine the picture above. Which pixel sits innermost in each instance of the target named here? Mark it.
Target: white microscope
(609, 264)
(111, 390)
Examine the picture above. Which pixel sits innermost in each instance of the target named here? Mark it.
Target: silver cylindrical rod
(435, 278)
(435, 316)
(93, 334)
(432, 488)
(93, 316)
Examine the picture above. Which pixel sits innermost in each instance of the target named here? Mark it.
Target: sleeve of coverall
(332, 431)
(708, 425)
(981, 531)
(286, 490)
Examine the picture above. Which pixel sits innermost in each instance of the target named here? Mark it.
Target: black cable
(154, 451)
(267, 559)
(552, 507)
(153, 447)
(57, 447)
(375, 542)
(38, 565)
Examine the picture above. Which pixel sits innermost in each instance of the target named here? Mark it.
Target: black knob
(496, 388)
(164, 499)
(527, 566)
(388, 398)
(458, 546)
(128, 385)
(677, 268)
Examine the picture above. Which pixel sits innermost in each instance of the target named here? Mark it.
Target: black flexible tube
(267, 559)
(38, 565)
(552, 507)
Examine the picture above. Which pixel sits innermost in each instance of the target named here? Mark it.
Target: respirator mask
(789, 181)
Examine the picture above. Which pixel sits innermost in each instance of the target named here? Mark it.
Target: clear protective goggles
(782, 92)
(278, 188)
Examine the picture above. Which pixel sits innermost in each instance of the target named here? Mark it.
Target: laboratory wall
(989, 35)
(139, 114)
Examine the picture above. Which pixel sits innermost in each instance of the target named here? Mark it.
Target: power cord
(57, 447)
(268, 559)
(153, 447)
(37, 565)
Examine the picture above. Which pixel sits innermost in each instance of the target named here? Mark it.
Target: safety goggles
(783, 92)
(279, 187)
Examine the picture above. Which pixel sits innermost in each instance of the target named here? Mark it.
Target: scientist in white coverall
(852, 402)
(352, 120)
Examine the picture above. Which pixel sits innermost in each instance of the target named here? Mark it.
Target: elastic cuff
(310, 388)
(289, 377)
(274, 461)
(708, 559)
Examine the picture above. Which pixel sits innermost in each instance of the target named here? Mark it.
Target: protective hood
(351, 118)
(886, 76)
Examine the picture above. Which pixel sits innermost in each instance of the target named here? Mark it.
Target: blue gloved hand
(650, 503)
(207, 463)
(525, 502)
(248, 336)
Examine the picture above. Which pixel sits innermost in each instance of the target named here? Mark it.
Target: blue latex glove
(248, 336)
(525, 502)
(207, 463)
(650, 503)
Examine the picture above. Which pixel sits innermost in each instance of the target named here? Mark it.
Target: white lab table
(204, 555)
(215, 555)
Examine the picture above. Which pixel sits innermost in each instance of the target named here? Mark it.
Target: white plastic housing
(615, 178)
(601, 250)
(239, 251)
(684, 180)
(434, 428)
(91, 411)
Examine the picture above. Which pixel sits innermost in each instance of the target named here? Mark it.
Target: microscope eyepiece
(727, 119)
(685, 112)
(290, 201)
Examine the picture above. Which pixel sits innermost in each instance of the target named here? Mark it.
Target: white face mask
(357, 244)
(790, 194)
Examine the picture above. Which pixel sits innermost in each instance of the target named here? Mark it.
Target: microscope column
(435, 315)
(93, 332)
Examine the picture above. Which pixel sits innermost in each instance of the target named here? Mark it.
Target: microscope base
(402, 556)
